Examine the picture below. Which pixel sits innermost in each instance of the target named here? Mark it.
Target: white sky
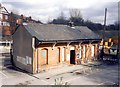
(45, 10)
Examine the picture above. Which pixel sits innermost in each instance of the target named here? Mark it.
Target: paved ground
(101, 75)
(104, 74)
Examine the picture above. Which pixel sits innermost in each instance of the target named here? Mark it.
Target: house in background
(5, 43)
(9, 21)
(4, 21)
(37, 47)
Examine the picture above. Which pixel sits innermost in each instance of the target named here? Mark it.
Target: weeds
(59, 82)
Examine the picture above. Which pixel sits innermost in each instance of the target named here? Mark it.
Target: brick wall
(46, 56)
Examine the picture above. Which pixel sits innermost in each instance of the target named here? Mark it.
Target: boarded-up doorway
(80, 52)
(63, 54)
(44, 55)
(93, 49)
(58, 55)
(72, 56)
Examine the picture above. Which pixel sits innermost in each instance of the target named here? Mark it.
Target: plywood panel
(44, 56)
(63, 54)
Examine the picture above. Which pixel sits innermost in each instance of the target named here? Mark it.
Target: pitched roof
(49, 32)
(89, 34)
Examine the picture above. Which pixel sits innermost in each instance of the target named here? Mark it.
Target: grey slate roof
(49, 32)
(89, 34)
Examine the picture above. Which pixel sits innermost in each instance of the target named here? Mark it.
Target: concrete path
(64, 69)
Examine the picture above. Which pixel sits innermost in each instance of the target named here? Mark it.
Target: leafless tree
(75, 13)
(76, 17)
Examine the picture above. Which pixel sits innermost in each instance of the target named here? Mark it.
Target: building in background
(5, 42)
(37, 47)
(9, 22)
(4, 21)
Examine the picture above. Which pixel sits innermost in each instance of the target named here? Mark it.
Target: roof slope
(51, 32)
(89, 34)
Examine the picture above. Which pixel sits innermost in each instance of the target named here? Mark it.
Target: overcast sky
(46, 10)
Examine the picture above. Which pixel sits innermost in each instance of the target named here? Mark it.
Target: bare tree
(76, 17)
(76, 13)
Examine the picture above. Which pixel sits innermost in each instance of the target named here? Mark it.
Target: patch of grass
(59, 82)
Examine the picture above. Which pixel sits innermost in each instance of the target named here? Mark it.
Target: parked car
(113, 50)
(112, 55)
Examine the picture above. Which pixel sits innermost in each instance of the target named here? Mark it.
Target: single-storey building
(37, 47)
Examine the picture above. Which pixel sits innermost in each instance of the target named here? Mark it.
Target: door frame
(72, 57)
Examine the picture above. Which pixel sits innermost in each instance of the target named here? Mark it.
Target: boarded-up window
(63, 53)
(84, 51)
(58, 55)
(44, 56)
(92, 49)
(80, 52)
(43, 53)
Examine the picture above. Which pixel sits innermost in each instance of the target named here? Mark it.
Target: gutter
(64, 41)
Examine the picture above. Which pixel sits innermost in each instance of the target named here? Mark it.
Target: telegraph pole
(104, 33)
(104, 27)
(119, 30)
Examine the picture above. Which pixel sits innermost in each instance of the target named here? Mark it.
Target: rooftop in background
(108, 33)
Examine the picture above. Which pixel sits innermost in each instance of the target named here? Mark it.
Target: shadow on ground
(7, 64)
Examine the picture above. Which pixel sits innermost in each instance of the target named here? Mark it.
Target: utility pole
(119, 30)
(104, 33)
(104, 27)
